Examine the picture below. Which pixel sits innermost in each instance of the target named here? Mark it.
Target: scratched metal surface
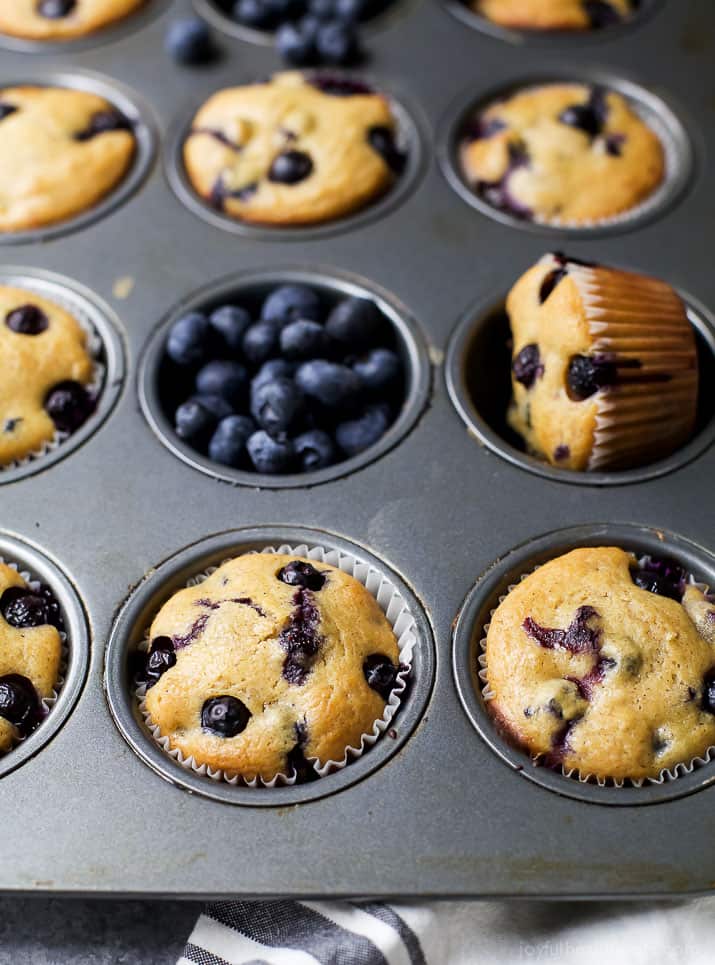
(445, 815)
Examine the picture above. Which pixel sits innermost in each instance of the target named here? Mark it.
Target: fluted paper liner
(47, 702)
(665, 776)
(93, 347)
(640, 325)
(398, 614)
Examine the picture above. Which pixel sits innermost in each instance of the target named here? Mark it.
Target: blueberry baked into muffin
(272, 661)
(556, 14)
(61, 19)
(599, 664)
(30, 654)
(61, 151)
(295, 382)
(604, 367)
(46, 373)
(562, 154)
(293, 150)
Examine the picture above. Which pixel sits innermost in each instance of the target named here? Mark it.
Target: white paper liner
(397, 612)
(47, 702)
(665, 776)
(94, 347)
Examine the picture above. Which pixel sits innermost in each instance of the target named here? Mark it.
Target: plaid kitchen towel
(453, 933)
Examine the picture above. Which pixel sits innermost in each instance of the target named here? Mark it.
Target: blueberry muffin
(61, 151)
(293, 150)
(270, 661)
(46, 368)
(605, 366)
(61, 19)
(562, 154)
(555, 14)
(30, 654)
(599, 665)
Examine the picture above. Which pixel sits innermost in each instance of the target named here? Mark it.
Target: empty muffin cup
(659, 560)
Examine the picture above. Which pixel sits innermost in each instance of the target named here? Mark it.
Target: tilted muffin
(46, 367)
(555, 14)
(30, 654)
(61, 151)
(562, 154)
(292, 150)
(271, 660)
(61, 19)
(605, 366)
(597, 665)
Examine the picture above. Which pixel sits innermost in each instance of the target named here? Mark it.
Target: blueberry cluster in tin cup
(293, 384)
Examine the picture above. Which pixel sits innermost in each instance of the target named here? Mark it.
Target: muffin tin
(433, 810)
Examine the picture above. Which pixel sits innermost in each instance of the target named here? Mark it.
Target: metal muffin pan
(652, 108)
(480, 393)
(444, 815)
(172, 575)
(485, 596)
(249, 290)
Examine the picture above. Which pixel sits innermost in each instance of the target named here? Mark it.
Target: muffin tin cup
(192, 565)
(144, 130)
(557, 40)
(104, 345)
(105, 35)
(652, 108)
(409, 343)
(412, 133)
(34, 567)
(485, 324)
(468, 661)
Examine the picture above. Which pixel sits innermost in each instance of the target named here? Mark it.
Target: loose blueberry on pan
(305, 385)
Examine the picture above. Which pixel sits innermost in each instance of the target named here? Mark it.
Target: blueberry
(337, 43)
(54, 9)
(587, 374)
(308, 27)
(382, 140)
(225, 378)
(314, 449)
(270, 455)
(527, 367)
(601, 14)
(260, 342)
(288, 303)
(302, 339)
(69, 405)
(290, 167)
(226, 716)
(550, 282)
(230, 323)
(380, 370)
(359, 434)
(103, 121)
(6, 110)
(354, 323)
(53, 613)
(22, 607)
(161, 657)
(322, 9)
(189, 41)
(350, 10)
(215, 404)
(275, 405)
(305, 575)
(708, 703)
(582, 117)
(380, 673)
(661, 575)
(27, 320)
(295, 44)
(19, 702)
(193, 422)
(273, 369)
(287, 9)
(259, 14)
(228, 443)
(328, 382)
(189, 339)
